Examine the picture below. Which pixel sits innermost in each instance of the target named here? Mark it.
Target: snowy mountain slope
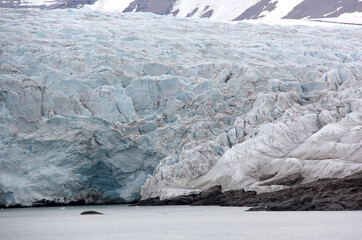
(146, 105)
(225, 10)
(324, 8)
(246, 9)
(162, 7)
(268, 9)
(215, 9)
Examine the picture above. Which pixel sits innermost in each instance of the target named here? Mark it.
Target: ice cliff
(108, 108)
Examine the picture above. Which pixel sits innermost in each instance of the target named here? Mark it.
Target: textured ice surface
(94, 106)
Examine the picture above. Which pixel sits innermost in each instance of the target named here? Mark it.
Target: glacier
(113, 107)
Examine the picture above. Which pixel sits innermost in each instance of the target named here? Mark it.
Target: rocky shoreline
(322, 195)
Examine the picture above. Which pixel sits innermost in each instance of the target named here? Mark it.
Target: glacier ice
(111, 107)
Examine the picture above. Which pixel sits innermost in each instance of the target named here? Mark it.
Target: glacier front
(112, 107)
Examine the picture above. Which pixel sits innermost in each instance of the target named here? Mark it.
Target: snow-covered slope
(225, 10)
(235, 9)
(221, 10)
(171, 105)
(110, 5)
(246, 9)
(269, 10)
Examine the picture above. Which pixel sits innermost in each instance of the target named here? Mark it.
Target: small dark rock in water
(90, 213)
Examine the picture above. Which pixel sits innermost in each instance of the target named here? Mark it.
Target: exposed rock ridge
(162, 7)
(322, 195)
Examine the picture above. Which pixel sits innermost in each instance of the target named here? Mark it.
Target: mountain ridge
(229, 10)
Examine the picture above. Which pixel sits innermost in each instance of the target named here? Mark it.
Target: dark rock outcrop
(321, 195)
(324, 8)
(290, 180)
(161, 7)
(305, 9)
(255, 11)
(208, 14)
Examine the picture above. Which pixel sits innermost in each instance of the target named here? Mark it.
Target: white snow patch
(110, 5)
(325, 15)
(283, 7)
(345, 18)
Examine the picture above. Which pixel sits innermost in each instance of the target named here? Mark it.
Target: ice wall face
(95, 106)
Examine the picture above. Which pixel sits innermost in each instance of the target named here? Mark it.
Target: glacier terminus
(114, 107)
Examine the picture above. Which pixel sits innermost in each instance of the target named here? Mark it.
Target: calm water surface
(175, 222)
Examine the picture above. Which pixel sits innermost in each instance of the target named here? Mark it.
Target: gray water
(175, 222)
